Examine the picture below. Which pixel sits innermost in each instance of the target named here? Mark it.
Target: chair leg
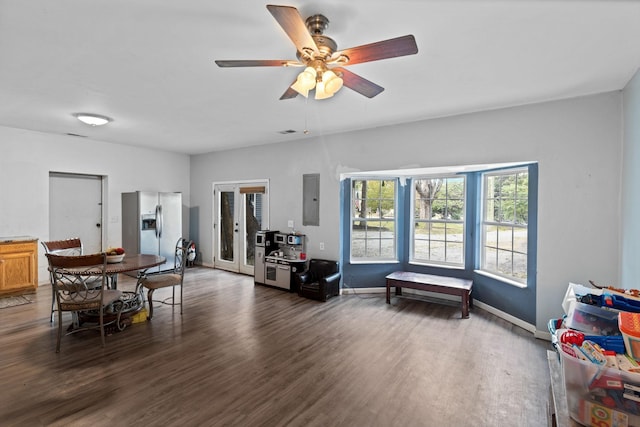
(59, 331)
(53, 303)
(180, 299)
(102, 325)
(150, 297)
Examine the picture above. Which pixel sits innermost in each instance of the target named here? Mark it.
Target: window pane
(439, 205)
(505, 261)
(357, 248)
(520, 240)
(454, 232)
(455, 252)
(373, 219)
(520, 265)
(436, 251)
(421, 249)
(490, 259)
(505, 238)
(373, 230)
(522, 211)
(387, 248)
(505, 196)
(373, 249)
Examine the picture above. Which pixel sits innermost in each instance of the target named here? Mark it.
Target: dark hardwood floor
(245, 355)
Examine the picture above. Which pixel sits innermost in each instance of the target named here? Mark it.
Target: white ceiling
(148, 64)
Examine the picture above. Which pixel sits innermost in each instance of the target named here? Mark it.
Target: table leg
(388, 292)
(465, 304)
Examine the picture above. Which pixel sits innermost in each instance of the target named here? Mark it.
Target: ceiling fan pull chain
(306, 131)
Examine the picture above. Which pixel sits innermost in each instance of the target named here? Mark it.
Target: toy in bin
(592, 319)
(629, 325)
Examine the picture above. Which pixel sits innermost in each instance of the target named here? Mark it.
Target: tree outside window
(438, 223)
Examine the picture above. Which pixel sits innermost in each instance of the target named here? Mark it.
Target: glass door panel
(241, 210)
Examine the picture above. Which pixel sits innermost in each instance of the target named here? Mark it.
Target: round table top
(128, 263)
(135, 262)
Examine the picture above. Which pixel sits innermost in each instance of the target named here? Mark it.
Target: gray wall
(577, 142)
(27, 157)
(630, 200)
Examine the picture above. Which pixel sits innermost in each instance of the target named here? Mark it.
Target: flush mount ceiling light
(93, 119)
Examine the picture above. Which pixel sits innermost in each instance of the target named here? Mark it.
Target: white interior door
(241, 210)
(75, 209)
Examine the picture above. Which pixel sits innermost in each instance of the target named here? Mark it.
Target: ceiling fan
(324, 64)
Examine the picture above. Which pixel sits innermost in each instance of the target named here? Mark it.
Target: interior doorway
(241, 209)
(75, 209)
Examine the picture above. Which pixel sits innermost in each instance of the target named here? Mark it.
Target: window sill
(372, 261)
(448, 267)
(501, 279)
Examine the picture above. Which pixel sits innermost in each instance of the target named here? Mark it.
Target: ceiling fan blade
(258, 63)
(400, 46)
(357, 83)
(290, 93)
(292, 23)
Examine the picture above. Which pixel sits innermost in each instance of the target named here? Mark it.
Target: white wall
(27, 157)
(630, 212)
(577, 142)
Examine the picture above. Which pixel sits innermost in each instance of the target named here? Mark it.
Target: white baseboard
(476, 304)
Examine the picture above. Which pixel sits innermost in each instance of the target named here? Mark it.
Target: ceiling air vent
(285, 132)
(75, 134)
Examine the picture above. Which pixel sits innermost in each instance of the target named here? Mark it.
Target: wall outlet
(290, 223)
(322, 246)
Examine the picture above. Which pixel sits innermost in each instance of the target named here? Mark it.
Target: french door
(241, 210)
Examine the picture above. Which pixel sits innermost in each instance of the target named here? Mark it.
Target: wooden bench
(432, 283)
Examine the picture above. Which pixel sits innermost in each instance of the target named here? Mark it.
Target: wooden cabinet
(18, 265)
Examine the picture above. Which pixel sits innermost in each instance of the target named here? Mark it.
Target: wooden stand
(432, 283)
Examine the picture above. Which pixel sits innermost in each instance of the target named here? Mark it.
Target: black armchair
(320, 281)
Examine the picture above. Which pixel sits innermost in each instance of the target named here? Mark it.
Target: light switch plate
(290, 223)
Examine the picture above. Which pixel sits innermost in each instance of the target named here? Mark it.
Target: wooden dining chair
(69, 247)
(172, 278)
(69, 280)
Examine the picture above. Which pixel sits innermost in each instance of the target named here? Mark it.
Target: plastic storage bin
(592, 319)
(629, 325)
(600, 396)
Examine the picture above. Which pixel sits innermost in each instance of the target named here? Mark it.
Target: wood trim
(256, 189)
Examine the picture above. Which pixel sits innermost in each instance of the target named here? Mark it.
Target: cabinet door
(17, 267)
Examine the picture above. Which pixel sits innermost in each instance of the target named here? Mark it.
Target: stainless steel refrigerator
(152, 224)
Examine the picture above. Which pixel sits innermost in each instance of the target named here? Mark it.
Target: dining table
(136, 262)
(129, 302)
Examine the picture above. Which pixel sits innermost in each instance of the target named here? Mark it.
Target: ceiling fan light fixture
(93, 119)
(305, 82)
(332, 83)
(321, 93)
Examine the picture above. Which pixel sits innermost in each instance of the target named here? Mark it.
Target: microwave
(293, 239)
(280, 239)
